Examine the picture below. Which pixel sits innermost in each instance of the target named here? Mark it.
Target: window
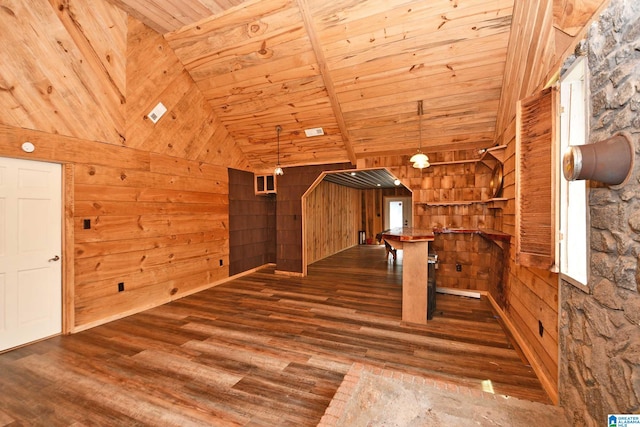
(265, 184)
(573, 248)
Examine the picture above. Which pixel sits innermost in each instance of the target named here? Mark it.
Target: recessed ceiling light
(353, 174)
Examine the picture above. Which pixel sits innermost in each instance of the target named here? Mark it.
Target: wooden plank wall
(332, 218)
(533, 294)
(56, 77)
(291, 186)
(473, 253)
(539, 44)
(453, 177)
(373, 208)
(161, 231)
(81, 81)
(372, 221)
(252, 224)
(531, 57)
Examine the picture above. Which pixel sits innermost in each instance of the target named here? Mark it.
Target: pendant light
(278, 170)
(420, 160)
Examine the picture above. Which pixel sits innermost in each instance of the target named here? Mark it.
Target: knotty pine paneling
(156, 196)
(530, 57)
(380, 71)
(157, 224)
(533, 293)
(190, 129)
(532, 296)
(372, 213)
(63, 68)
(332, 215)
(162, 16)
(160, 247)
(256, 65)
(528, 306)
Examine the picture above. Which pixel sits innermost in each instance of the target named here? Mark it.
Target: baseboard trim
(459, 292)
(547, 383)
(289, 273)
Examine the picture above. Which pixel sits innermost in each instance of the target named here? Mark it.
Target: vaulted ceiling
(355, 68)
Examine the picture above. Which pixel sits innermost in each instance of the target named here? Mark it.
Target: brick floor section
(336, 408)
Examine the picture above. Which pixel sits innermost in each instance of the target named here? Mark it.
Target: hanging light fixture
(420, 160)
(278, 170)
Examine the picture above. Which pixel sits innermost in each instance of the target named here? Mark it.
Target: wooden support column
(415, 270)
(414, 281)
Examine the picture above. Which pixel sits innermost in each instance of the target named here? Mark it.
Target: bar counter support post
(415, 275)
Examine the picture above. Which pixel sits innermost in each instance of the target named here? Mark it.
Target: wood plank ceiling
(355, 68)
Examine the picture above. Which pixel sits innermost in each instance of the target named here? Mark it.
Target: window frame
(573, 254)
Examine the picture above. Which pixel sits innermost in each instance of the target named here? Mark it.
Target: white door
(398, 212)
(30, 249)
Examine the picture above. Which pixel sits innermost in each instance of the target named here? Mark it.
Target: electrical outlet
(221, 263)
(458, 267)
(120, 286)
(86, 224)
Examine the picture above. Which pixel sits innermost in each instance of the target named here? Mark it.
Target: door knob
(55, 258)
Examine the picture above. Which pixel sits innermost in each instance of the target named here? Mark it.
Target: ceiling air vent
(157, 112)
(313, 132)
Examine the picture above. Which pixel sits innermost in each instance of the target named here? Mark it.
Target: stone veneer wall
(600, 328)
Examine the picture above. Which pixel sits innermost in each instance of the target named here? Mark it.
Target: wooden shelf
(493, 154)
(452, 203)
(484, 232)
(489, 157)
(454, 162)
(498, 202)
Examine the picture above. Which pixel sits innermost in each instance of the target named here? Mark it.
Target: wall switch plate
(121, 287)
(86, 224)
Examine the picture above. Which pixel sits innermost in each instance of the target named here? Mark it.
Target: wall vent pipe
(609, 161)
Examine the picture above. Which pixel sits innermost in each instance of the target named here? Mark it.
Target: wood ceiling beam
(444, 147)
(326, 76)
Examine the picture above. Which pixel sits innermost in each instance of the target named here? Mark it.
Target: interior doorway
(30, 251)
(398, 212)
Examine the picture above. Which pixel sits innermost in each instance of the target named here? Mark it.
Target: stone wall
(600, 325)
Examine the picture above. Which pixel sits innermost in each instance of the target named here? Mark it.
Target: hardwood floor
(264, 349)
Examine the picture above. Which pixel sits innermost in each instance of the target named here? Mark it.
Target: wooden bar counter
(415, 246)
